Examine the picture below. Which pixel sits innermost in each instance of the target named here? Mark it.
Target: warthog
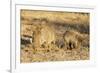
(72, 39)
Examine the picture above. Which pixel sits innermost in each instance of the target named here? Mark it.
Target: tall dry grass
(50, 42)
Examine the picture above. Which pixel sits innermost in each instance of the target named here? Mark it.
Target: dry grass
(60, 22)
(68, 18)
(42, 55)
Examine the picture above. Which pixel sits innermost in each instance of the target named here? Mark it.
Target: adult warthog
(73, 39)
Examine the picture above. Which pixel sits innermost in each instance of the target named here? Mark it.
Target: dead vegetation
(54, 36)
